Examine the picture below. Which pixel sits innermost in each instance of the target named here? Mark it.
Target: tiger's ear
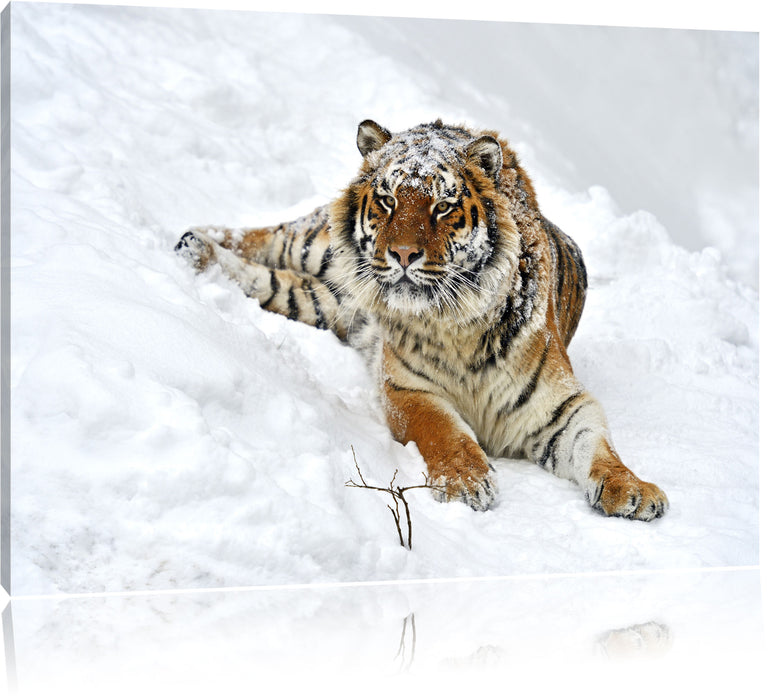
(486, 152)
(371, 136)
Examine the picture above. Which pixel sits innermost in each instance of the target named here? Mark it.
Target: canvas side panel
(5, 300)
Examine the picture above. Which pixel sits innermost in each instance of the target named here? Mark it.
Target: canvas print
(314, 299)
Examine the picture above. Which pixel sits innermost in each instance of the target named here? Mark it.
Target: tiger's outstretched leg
(574, 444)
(299, 296)
(301, 245)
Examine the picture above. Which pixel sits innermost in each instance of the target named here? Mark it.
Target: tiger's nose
(405, 254)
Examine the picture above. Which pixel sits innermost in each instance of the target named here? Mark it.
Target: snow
(170, 434)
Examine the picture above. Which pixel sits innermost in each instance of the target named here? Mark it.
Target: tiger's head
(428, 228)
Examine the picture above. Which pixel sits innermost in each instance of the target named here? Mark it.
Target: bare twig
(397, 495)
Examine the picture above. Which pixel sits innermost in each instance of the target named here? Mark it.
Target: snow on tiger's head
(426, 218)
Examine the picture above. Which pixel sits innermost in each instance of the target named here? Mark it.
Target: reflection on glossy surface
(650, 639)
(382, 638)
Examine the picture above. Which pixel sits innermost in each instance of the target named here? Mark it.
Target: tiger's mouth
(391, 279)
(405, 282)
(405, 285)
(415, 299)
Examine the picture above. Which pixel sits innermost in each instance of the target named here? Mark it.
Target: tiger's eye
(442, 207)
(388, 201)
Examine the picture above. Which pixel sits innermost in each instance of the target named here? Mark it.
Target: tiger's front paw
(196, 248)
(465, 477)
(623, 494)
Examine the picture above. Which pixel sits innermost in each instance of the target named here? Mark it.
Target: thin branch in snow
(397, 495)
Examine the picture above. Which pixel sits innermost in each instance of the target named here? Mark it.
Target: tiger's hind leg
(301, 245)
(296, 295)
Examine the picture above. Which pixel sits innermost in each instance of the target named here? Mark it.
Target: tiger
(436, 264)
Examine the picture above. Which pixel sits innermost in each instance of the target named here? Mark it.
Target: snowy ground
(168, 433)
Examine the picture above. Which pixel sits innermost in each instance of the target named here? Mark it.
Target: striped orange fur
(437, 264)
